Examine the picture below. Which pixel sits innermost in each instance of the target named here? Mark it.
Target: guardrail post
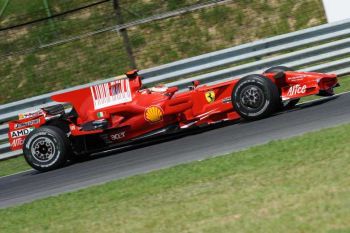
(124, 34)
(4, 7)
(48, 12)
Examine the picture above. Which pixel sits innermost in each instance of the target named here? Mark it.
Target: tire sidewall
(45, 133)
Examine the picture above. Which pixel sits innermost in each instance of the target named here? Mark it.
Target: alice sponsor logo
(117, 136)
(296, 89)
(17, 142)
(21, 132)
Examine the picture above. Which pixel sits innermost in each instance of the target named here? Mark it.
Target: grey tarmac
(198, 145)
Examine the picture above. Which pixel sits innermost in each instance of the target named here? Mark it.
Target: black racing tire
(255, 97)
(46, 148)
(278, 69)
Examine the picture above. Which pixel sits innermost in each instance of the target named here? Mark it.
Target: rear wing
(90, 100)
(26, 123)
(86, 101)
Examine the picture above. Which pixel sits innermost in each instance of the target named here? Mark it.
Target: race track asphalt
(31, 185)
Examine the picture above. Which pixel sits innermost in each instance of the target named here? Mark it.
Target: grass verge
(296, 185)
(12, 166)
(26, 72)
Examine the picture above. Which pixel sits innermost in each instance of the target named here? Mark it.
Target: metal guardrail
(323, 48)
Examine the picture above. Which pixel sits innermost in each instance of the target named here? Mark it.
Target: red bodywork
(129, 112)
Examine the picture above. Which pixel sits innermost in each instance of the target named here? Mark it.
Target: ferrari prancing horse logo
(210, 96)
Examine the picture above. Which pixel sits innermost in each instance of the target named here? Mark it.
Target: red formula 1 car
(120, 112)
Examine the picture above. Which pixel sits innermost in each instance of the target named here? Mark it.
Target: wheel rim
(43, 149)
(252, 97)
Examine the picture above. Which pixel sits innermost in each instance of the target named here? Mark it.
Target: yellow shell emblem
(154, 114)
(210, 96)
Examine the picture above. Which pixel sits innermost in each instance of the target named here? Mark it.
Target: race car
(122, 112)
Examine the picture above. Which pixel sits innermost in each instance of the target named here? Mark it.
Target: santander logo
(296, 89)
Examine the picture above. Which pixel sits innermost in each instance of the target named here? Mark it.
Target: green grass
(11, 166)
(102, 56)
(344, 84)
(19, 11)
(296, 185)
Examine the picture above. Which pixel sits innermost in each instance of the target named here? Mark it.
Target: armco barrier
(327, 45)
(211, 60)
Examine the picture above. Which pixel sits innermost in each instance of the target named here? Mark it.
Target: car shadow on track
(308, 104)
(190, 132)
(159, 140)
(298, 107)
(316, 102)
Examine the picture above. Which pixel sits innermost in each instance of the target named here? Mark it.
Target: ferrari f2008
(120, 112)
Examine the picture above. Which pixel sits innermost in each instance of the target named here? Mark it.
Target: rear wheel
(255, 97)
(46, 148)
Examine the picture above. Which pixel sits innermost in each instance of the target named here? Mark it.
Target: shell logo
(154, 114)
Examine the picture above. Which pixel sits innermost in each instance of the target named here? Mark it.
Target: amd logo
(297, 89)
(21, 132)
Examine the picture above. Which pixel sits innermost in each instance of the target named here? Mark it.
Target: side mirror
(196, 83)
(171, 91)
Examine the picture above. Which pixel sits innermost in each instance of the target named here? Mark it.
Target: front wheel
(255, 97)
(46, 148)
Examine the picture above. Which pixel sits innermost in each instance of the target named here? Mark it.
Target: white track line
(17, 173)
(327, 97)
